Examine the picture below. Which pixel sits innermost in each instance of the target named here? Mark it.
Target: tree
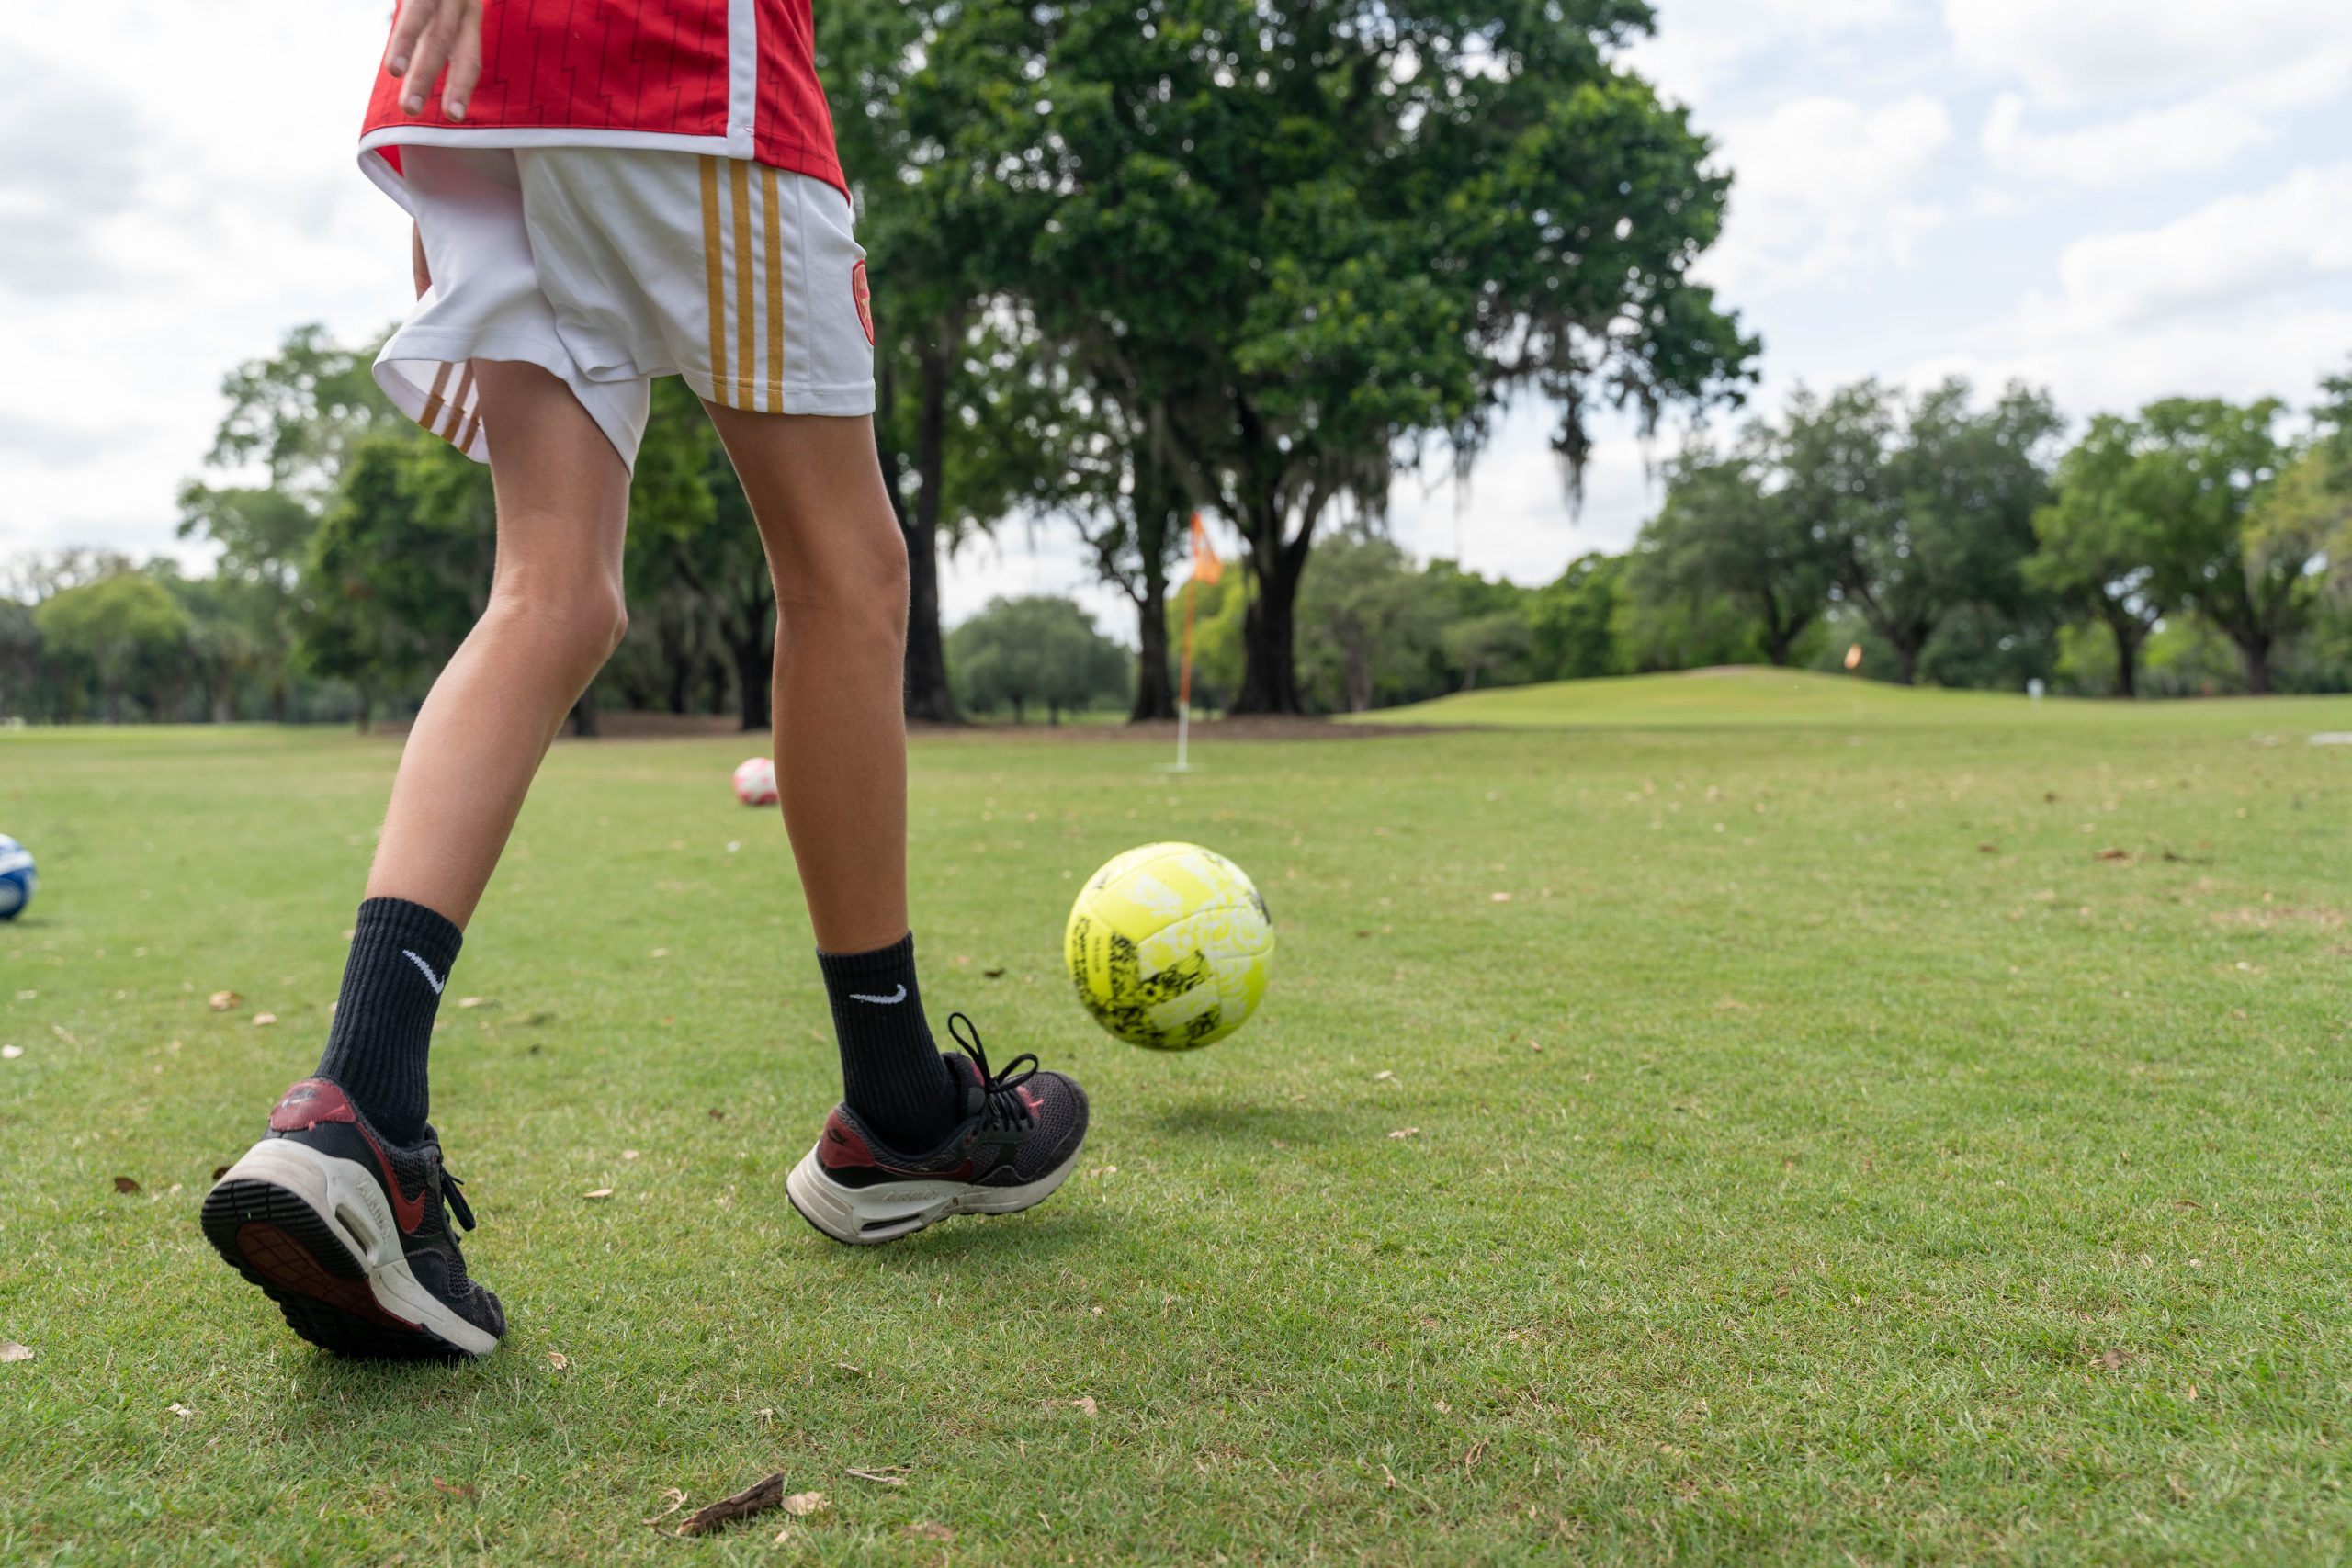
(925, 94)
(400, 567)
(1725, 532)
(115, 624)
(2097, 545)
(1036, 650)
(255, 603)
(19, 655)
(1573, 622)
(1313, 235)
(1369, 625)
(1922, 508)
(2203, 470)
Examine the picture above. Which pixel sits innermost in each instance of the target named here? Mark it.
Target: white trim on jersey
(487, 136)
(742, 75)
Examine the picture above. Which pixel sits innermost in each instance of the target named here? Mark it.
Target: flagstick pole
(1184, 683)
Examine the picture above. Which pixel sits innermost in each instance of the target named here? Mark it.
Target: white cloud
(2083, 51)
(2240, 248)
(1701, 45)
(2200, 133)
(1824, 186)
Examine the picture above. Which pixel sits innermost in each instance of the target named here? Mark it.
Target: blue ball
(16, 878)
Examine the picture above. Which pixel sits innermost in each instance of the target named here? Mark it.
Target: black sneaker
(1019, 1140)
(348, 1235)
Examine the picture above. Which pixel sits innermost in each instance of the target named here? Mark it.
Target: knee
(867, 581)
(584, 620)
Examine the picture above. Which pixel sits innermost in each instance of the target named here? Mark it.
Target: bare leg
(840, 737)
(555, 616)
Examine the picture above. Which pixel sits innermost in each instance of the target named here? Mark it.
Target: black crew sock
(401, 955)
(891, 1074)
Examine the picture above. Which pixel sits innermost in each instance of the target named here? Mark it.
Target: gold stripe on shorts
(715, 271)
(776, 292)
(431, 417)
(747, 367)
(458, 403)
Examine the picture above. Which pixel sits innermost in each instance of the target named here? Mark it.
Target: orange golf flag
(1207, 568)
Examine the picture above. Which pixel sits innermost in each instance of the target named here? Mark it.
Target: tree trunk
(1906, 664)
(755, 675)
(367, 709)
(114, 700)
(1270, 670)
(928, 695)
(2127, 661)
(1155, 688)
(584, 714)
(1018, 717)
(2256, 649)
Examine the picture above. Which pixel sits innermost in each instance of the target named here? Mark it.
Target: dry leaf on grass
(10, 1053)
(182, 1411)
(881, 1476)
(12, 1351)
(757, 1499)
(222, 1001)
(928, 1530)
(63, 1034)
(1084, 1404)
(2112, 1360)
(1406, 1133)
(599, 1193)
(800, 1504)
(558, 1360)
(124, 1184)
(469, 1001)
(448, 1489)
(677, 1501)
(2112, 854)
(264, 1020)
(629, 1154)
(1498, 898)
(1384, 1077)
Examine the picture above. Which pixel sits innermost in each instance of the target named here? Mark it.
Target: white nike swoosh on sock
(430, 978)
(856, 996)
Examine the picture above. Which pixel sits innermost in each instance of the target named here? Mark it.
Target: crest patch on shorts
(860, 291)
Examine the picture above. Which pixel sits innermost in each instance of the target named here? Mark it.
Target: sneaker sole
(868, 1216)
(315, 1233)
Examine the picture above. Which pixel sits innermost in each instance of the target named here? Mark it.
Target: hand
(429, 35)
(417, 260)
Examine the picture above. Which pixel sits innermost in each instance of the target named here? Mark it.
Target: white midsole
(864, 1215)
(345, 1196)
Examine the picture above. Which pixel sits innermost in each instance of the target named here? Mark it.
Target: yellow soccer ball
(1169, 946)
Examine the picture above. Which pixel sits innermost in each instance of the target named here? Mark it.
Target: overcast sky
(2121, 199)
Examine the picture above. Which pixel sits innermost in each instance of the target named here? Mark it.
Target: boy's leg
(919, 1135)
(839, 566)
(555, 614)
(339, 1213)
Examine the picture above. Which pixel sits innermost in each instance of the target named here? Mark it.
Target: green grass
(1875, 1117)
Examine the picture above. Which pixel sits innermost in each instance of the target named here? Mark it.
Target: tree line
(1131, 260)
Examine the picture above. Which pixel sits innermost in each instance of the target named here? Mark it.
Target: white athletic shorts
(608, 266)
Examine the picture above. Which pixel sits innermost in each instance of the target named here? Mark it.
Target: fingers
(428, 36)
(407, 27)
(465, 62)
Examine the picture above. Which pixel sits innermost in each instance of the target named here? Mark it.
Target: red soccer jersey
(736, 78)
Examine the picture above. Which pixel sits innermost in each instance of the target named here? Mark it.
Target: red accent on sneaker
(314, 1100)
(842, 1148)
(308, 1103)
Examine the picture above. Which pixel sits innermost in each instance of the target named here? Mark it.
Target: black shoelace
(1006, 1107)
(457, 1200)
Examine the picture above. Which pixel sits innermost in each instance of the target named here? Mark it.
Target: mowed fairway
(1758, 1123)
